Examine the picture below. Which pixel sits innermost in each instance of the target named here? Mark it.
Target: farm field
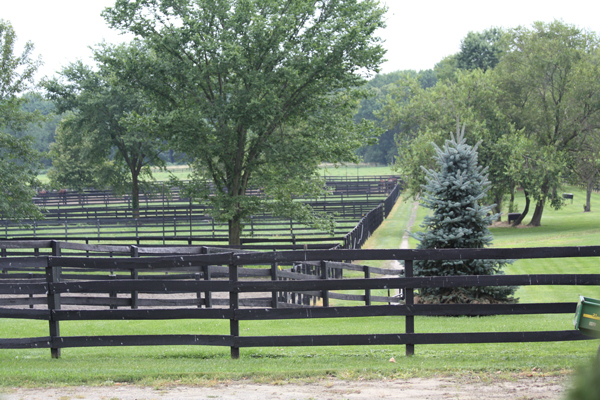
(350, 170)
(201, 365)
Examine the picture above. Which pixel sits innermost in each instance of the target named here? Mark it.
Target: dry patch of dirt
(540, 387)
(505, 224)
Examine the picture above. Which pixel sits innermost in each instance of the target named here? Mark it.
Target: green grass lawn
(350, 170)
(199, 365)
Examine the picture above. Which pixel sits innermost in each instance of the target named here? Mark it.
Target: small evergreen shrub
(454, 193)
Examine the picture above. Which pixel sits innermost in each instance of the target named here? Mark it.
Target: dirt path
(411, 222)
(404, 243)
(413, 389)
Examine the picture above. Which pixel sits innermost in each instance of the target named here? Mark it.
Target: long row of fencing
(188, 223)
(216, 286)
(163, 194)
(355, 238)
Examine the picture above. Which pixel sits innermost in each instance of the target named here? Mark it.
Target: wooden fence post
(198, 294)
(53, 276)
(275, 295)
(190, 218)
(134, 275)
(409, 300)
(325, 275)
(367, 291)
(206, 273)
(113, 294)
(234, 304)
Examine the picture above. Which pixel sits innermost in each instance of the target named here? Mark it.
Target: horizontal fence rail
(284, 285)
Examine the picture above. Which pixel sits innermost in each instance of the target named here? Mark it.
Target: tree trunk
(135, 196)
(511, 202)
(525, 210)
(498, 197)
(235, 232)
(588, 195)
(536, 220)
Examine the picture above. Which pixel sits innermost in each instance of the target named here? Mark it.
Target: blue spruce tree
(454, 194)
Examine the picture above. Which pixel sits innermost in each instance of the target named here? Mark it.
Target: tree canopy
(256, 92)
(480, 50)
(95, 145)
(547, 93)
(531, 95)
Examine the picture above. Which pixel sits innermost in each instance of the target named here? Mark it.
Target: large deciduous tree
(96, 136)
(549, 96)
(256, 92)
(18, 161)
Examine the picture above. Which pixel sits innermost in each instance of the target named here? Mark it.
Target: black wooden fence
(245, 273)
(338, 185)
(187, 221)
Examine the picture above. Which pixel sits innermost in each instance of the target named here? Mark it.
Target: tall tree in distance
(42, 132)
(385, 150)
(480, 50)
(18, 161)
(256, 92)
(454, 192)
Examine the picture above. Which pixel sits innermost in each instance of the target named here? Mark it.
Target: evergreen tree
(454, 193)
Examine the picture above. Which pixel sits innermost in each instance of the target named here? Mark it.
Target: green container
(587, 317)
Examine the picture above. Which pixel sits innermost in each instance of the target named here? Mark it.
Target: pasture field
(202, 365)
(351, 171)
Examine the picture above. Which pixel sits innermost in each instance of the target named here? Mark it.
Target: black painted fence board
(23, 301)
(21, 288)
(268, 314)
(419, 254)
(288, 341)
(26, 343)
(403, 310)
(147, 263)
(143, 340)
(163, 286)
(156, 286)
(25, 244)
(18, 263)
(137, 314)
(25, 313)
(412, 338)
(318, 255)
(23, 278)
(95, 301)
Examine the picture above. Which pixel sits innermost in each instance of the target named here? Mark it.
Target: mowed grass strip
(203, 365)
